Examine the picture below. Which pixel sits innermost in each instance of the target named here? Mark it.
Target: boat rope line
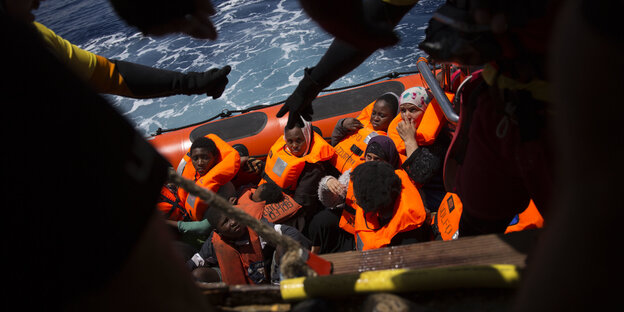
(292, 262)
(227, 113)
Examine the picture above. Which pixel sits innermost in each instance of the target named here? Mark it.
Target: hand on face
(406, 130)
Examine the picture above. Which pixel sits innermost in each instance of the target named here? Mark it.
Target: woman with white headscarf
(296, 162)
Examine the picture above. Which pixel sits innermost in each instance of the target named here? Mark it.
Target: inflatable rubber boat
(258, 128)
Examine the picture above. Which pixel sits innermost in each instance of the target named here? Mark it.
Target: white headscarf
(307, 134)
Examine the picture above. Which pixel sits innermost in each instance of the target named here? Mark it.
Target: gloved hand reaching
(299, 104)
(149, 82)
(211, 82)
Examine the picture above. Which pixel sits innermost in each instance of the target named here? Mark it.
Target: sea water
(268, 43)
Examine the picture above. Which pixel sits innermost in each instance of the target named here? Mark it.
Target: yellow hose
(401, 280)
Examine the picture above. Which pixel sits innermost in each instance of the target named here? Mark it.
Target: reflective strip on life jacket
(409, 214)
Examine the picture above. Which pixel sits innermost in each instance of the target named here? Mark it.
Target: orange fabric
(365, 114)
(224, 171)
(171, 206)
(347, 220)
(447, 218)
(276, 212)
(530, 218)
(351, 149)
(284, 169)
(107, 79)
(409, 214)
(450, 210)
(234, 262)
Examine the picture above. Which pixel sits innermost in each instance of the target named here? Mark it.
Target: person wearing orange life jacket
(296, 162)
(236, 252)
(422, 161)
(351, 135)
(331, 230)
(211, 163)
(389, 210)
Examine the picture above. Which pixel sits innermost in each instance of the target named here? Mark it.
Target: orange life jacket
(242, 264)
(448, 215)
(409, 214)
(284, 168)
(365, 114)
(430, 125)
(171, 206)
(530, 218)
(223, 171)
(276, 212)
(450, 210)
(351, 149)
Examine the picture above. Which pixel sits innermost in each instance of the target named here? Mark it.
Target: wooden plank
(485, 249)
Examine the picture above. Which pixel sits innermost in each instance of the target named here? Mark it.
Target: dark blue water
(267, 43)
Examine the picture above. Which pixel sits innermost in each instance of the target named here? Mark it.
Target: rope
(292, 263)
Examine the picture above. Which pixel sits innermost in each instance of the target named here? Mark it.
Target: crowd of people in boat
(377, 182)
(371, 185)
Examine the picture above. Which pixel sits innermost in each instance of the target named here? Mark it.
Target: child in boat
(211, 163)
(389, 210)
(296, 162)
(236, 252)
(331, 230)
(422, 163)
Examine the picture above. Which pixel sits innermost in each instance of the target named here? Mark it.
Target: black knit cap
(375, 185)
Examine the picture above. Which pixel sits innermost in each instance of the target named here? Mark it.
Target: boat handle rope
(292, 263)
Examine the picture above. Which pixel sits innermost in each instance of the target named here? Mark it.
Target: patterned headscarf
(417, 96)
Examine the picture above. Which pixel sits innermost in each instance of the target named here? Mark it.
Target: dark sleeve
(205, 254)
(339, 133)
(306, 193)
(290, 232)
(427, 160)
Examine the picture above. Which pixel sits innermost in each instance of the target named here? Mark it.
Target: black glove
(299, 104)
(211, 82)
(149, 82)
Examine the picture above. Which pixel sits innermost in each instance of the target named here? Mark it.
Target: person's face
(202, 160)
(21, 9)
(381, 115)
(372, 157)
(412, 113)
(295, 141)
(230, 229)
